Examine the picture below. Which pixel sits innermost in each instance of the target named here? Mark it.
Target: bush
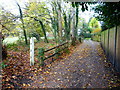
(41, 56)
(3, 65)
(87, 35)
(12, 46)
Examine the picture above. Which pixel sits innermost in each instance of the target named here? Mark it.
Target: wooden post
(31, 51)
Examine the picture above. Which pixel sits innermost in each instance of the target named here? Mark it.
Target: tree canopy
(94, 25)
(109, 13)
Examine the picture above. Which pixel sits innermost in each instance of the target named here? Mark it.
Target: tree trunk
(44, 31)
(73, 30)
(60, 23)
(76, 24)
(21, 17)
(59, 20)
(24, 32)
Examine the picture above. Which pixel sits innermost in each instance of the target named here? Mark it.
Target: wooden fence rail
(58, 49)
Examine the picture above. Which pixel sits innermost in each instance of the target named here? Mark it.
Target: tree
(67, 24)
(108, 12)
(23, 26)
(40, 18)
(85, 30)
(59, 18)
(75, 19)
(7, 22)
(43, 28)
(56, 18)
(94, 25)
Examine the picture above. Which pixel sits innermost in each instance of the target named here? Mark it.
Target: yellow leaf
(58, 79)
(24, 84)
(28, 84)
(40, 82)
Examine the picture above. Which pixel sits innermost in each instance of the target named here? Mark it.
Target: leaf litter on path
(85, 67)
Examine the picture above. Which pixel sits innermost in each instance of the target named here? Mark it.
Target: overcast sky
(11, 6)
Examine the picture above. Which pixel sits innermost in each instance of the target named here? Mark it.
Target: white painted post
(31, 51)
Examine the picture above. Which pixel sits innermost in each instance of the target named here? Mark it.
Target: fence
(110, 41)
(57, 51)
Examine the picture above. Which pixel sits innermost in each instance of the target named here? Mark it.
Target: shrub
(41, 56)
(3, 65)
(12, 46)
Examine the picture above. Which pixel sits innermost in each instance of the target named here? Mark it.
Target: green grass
(10, 40)
(50, 37)
(88, 38)
(17, 44)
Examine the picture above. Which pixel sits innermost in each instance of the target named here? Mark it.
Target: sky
(12, 7)
(87, 14)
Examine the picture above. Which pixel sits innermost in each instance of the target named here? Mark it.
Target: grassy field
(13, 43)
(10, 40)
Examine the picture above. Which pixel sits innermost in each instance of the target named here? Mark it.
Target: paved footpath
(86, 67)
